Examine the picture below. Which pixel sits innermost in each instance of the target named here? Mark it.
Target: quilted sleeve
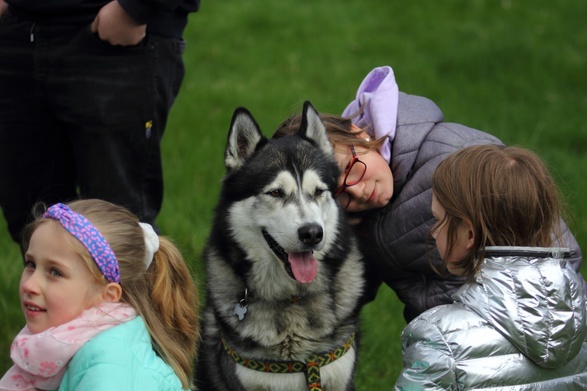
(428, 359)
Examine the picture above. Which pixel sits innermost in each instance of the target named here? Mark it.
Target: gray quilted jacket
(393, 238)
(521, 325)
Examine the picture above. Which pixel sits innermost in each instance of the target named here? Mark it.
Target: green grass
(513, 68)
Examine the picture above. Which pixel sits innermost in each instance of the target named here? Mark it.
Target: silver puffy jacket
(522, 325)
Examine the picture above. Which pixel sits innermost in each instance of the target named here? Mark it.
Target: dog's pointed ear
(313, 128)
(243, 137)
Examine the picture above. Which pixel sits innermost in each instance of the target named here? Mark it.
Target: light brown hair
(164, 295)
(507, 195)
(338, 129)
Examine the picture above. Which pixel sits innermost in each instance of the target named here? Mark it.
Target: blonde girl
(108, 304)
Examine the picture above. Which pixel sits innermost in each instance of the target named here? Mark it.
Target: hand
(116, 27)
(3, 8)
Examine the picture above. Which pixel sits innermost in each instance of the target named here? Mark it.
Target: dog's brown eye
(275, 193)
(319, 192)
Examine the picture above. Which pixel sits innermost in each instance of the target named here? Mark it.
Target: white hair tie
(151, 243)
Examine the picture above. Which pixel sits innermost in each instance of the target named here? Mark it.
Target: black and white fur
(277, 204)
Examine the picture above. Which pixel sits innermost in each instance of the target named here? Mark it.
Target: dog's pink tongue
(303, 266)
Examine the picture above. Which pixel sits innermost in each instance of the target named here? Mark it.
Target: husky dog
(284, 274)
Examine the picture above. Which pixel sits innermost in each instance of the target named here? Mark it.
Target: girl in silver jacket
(519, 322)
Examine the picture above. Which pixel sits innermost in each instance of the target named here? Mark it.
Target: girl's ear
(470, 235)
(111, 293)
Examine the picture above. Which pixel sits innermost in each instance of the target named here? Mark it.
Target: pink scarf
(40, 360)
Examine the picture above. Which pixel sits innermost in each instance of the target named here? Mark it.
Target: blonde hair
(507, 195)
(164, 295)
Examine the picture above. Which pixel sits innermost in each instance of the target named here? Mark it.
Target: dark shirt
(166, 18)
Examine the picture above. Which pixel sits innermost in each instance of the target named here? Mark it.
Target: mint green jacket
(121, 358)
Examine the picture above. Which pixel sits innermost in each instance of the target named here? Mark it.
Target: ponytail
(163, 293)
(173, 322)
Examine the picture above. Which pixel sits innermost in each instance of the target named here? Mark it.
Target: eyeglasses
(353, 174)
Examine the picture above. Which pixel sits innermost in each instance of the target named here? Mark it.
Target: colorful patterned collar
(311, 367)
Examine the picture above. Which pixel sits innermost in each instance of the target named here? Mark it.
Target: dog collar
(311, 367)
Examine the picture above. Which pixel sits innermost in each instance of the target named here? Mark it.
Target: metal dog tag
(240, 310)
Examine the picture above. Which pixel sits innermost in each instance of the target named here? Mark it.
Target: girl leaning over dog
(109, 305)
(519, 322)
(387, 144)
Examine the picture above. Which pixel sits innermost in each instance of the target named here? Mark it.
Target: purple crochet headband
(89, 236)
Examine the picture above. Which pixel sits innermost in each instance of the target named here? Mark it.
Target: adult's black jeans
(82, 118)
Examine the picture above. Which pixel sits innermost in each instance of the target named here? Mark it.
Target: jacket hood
(534, 298)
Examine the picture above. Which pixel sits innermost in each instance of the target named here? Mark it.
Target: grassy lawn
(512, 68)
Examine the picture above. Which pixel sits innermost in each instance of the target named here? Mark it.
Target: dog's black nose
(310, 234)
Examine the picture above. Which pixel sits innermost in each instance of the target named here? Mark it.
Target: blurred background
(516, 69)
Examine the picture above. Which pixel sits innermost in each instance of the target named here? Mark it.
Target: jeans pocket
(7, 16)
(100, 44)
(103, 86)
